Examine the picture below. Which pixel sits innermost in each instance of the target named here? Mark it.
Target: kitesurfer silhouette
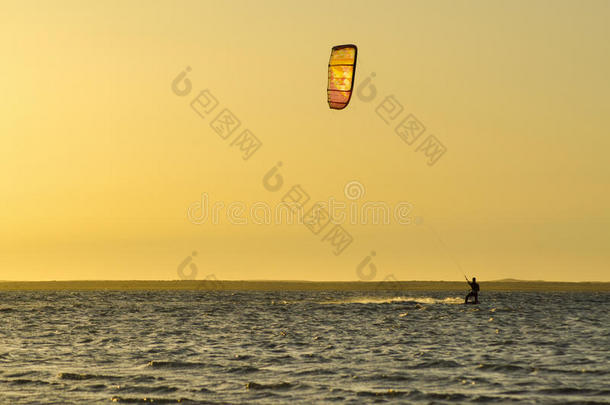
(474, 290)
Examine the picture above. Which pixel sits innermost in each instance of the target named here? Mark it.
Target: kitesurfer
(474, 290)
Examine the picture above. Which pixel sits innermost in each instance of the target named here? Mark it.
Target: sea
(257, 347)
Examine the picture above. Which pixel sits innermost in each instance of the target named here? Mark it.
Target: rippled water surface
(303, 347)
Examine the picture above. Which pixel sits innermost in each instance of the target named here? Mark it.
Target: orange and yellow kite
(341, 73)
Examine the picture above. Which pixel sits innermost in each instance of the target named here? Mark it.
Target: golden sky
(100, 159)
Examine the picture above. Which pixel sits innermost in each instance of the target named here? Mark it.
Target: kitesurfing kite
(341, 73)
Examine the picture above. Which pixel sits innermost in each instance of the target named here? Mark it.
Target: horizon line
(503, 280)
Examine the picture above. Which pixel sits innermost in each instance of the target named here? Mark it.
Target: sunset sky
(100, 160)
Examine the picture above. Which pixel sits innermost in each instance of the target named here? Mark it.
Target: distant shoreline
(211, 285)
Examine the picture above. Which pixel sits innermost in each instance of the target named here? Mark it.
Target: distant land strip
(232, 285)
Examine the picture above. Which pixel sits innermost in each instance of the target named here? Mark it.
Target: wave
(573, 371)
(573, 391)
(243, 370)
(315, 371)
(76, 376)
(146, 400)
(21, 374)
(147, 389)
(436, 364)
(388, 393)
(505, 368)
(414, 300)
(24, 381)
(174, 364)
(273, 386)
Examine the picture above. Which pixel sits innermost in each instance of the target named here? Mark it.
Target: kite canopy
(341, 73)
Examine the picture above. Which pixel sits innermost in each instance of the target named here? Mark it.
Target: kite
(341, 73)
